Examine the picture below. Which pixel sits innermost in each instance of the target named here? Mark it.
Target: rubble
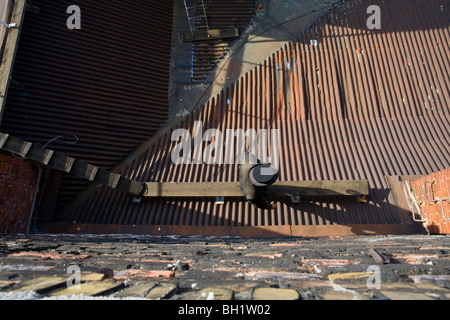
(174, 268)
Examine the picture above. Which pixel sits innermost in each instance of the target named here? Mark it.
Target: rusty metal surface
(102, 89)
(360, 105)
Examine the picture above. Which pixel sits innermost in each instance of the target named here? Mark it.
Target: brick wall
(429, 191)
(18, 183)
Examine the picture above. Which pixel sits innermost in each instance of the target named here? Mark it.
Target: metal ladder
(191, 12)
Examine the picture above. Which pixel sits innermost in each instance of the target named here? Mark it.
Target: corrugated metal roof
(361, 104)
(104, 87)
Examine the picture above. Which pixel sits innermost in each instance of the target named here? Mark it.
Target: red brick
(136, 273)
(432, 211)
(20, 179)
(50, 255)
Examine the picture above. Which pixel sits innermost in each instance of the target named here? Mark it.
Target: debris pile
(209, 268)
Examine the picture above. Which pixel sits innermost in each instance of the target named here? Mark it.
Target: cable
(59, 137)
(259, 34)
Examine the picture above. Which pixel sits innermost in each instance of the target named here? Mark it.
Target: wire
(259, 34)
(62, 136)
(18, 156)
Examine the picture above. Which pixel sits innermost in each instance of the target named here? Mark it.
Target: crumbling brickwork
(18, 183)
(432, 192)
(234, 268)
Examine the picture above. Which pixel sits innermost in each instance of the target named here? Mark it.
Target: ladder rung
(40, 155)
(194, 16)
(197, 17)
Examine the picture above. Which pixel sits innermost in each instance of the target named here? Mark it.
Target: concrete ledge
(263, 231)
(351, 230)
(233, 231)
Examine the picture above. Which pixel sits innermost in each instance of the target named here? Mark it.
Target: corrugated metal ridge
(359, 105)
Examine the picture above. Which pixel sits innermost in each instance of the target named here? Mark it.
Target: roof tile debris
(118, 267)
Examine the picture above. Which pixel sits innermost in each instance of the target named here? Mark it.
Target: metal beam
(213, 34)
(283, 188)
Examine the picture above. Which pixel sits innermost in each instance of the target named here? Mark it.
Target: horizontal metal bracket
(220, 200)
(413, 212)
(431, 182)
(443, 209)
(412, 203)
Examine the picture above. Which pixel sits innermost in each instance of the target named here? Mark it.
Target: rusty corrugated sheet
(221, 14)
(361, 104)
(104, 87)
